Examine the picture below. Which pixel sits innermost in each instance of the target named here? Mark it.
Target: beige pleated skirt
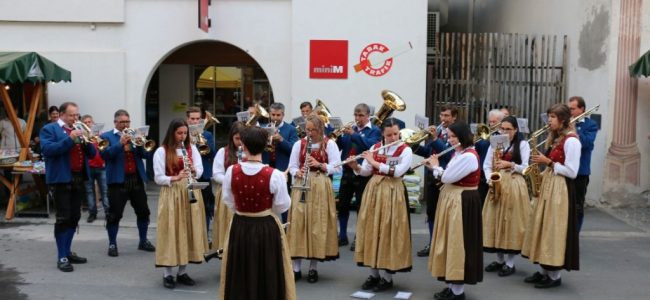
(181, 235)
(221, 220)
(552, 225)
(383, 233)
(311, 233)
(505, 219)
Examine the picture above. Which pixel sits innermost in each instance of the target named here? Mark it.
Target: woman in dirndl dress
(257, 263)
(383, 229)
(181, 237)
(226, 156)
(551, 238)
(456, 255)
(506, 215)
(311, 232)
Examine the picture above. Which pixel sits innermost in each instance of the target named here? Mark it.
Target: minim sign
(328, 59)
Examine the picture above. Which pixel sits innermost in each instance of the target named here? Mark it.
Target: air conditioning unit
(433, 27)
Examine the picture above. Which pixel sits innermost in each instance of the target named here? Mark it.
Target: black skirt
(572, 251)
(472, 238)
(255, 265)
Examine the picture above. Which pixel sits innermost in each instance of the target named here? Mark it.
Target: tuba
(260, 112)
(392, 102)
(322, 111)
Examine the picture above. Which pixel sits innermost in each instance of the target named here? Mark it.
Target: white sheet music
(243, 116)
(502, 139)
(522, 123)
(97, 128)
(421, 122)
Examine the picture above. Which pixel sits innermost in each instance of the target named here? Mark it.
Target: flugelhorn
(338, 132)
(139, 141)
(392, 102)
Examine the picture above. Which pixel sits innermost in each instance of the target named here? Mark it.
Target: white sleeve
(294, 159)
(218, 170)
(366, 168)
(159, 168)
(460, 167)
(333, 157)
(226, 191)
(197, 162)
(278, 187)
(571, 165)
(487, 163)
(524, 151)
(405, 159)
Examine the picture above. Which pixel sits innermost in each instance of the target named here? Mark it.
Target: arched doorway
(219, 77)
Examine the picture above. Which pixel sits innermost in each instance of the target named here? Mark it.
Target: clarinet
(187, 167)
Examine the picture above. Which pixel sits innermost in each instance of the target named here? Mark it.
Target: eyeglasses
(124, 122)
(360, 115)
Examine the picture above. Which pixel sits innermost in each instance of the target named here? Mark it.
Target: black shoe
(185, 279)
(443, 294)
(383, 285)
(506, 271)
(353, 246)
(548, 283)
(535, 278)
(297, 275)
(343, 242)
(168, 282)
(425, 251)
(112, 250)
(92, 218)
(146, 246)
(312, 276)
(370, 283)
(76, 259)
(64, 265)
(494, 266)
(452, 296)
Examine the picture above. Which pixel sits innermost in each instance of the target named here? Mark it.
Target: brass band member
(456, 251)
(551, 238)
(383, 229)
(66, 169)
(353, 141)
(312, 219)
(226, 157)
(181, 236)
(505, 218)
(256, 262)
(125, 177)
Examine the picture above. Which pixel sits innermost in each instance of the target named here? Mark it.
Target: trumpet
(338, 132)
(101, 143)
(139, 141)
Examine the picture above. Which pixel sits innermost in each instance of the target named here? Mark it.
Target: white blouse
(571, 164)
(402, 164)
(333, 157)
(159, 165)
(277, 186)
(462, 164)
(218, 168)
(524, 150)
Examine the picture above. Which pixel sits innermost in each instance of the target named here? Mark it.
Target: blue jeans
(99, 175)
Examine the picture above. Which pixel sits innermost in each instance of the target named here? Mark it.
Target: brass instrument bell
(392, 102)
(322, 111)
(260, 112)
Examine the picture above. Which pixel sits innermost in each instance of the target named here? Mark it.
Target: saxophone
(188, 167)
(495, 176)
(532, 172)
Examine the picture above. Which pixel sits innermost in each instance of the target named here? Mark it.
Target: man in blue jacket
(125, 177)
(66, 170)
(354, 141)
(194, 118)
(587, 129)
(282, 142)
(437, 144)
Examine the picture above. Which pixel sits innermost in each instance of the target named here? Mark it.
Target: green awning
(20, 67)
(641, 67)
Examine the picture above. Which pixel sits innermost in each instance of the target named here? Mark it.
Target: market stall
(24, 68)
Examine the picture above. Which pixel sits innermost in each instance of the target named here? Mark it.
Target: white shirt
(401, 167)
(218, 168)
(8, 138)
(159, 165)
(524, 150)
(462, 164)
(571, 164)
(333, 157)
(277, 187)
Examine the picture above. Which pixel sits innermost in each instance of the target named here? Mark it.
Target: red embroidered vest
(76, 155)
(557, 153)
(251, 193)
(473, 178)
(320, 156)
(129, 162)
(380, 158)
(179, 166)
